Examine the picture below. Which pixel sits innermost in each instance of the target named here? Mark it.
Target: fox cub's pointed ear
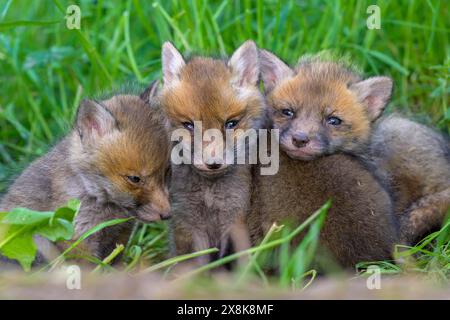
(273, 70)
(94, 121)
(150, 92)
(172, 63)
(244, 64)
(374, 93)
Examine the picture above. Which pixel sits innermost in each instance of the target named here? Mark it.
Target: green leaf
(73, 204)
(20, 224)
(21, 248)
(61, 229)
(67, 212)
(23, 216)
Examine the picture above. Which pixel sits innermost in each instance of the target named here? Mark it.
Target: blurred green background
(45, 68)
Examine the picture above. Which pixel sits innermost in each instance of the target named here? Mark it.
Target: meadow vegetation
(46, 69)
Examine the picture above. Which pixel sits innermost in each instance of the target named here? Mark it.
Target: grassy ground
(45, 69)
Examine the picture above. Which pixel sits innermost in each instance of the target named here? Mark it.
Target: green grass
(46, 69)
(429, 257)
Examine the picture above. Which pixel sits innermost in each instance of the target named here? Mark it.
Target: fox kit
(114, 161)
(209, 196)
(323, 108)
(359, 225)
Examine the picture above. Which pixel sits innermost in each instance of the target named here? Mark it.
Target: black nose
(214, 166)
(300, 139)
(165, 216)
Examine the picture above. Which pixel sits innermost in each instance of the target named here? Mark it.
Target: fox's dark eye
(188, 125)
(134, 179)
(230, 124)
(287, 112)
(334, 121)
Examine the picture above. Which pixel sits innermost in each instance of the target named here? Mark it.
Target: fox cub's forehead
(142, 139)
(136, 117)
(128, 110)
(201, 69)
(205, 90)
(316, 83)
(300, 92)
(129, 153)
(312, 94)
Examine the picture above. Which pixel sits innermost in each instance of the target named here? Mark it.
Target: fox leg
(424, 215)
(240, 238)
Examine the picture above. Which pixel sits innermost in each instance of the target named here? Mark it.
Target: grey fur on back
(395, 135)
(416, 161)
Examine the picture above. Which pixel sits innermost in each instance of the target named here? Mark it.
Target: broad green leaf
(19, 225)
(21, 248)
(67, 213)
(10, 232)
(73, 204)
(23, 216)
(61, 229)
(3, 230)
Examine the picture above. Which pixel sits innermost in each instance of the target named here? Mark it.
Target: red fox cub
(208, 197)
(114, 161)
(359, 225)
(323, 107)
(209, 95)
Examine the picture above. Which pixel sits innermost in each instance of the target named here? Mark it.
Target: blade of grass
(181, 258)
(83, 237)
(268, 245)
(109, 258)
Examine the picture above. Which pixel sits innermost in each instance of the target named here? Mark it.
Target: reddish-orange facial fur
(214, 92)
(208, 198)
(114, 161)
(138, 150)
(313, 102)
(322, 107)
(124, 140)
(204, 93)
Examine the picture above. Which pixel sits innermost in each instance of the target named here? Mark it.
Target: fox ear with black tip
(374, 93)
(172, 63)
(273, 70)
(150, 92)
(94, 121)
(244, 65)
